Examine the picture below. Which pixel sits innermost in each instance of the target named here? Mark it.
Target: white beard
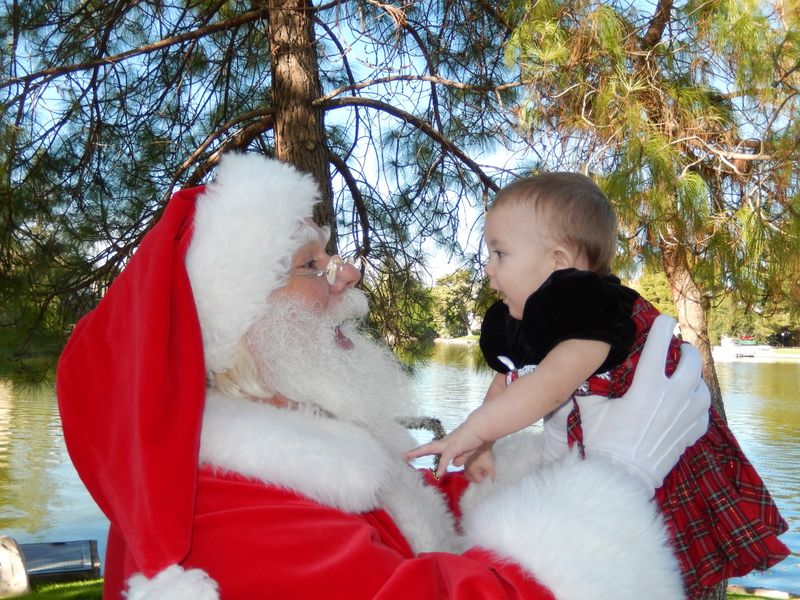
(297, 353)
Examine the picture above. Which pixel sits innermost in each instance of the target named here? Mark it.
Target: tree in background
(107, 107)
(454, 304)
(687, 114)
(405, 315)
(733, 318)
(728, 315)
(654, 286)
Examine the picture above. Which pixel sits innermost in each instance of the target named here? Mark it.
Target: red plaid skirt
(721, 517)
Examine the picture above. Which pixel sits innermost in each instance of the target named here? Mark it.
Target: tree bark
(691, 309)
(719, 593)
(299, 125)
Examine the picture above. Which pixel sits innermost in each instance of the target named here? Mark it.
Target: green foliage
(35, 262)
(689, 123)
(454, 303)
(401, 308)
(654, 287)
(107, 108)
(728, 317)
(733, 318)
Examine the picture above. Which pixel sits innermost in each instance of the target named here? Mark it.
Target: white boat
(741, 348)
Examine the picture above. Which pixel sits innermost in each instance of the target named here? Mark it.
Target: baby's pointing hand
(460, 443)
(435, 447)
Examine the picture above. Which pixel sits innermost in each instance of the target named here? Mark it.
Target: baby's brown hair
(575, 210)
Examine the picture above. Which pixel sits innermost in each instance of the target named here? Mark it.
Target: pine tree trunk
(720, 592)
(299, 126)
(691, 309)
(692, 319)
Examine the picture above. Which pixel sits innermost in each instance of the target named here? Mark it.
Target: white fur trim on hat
(173, 583)
(245, 232)
(583, 528)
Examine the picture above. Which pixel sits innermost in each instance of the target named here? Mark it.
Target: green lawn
(790, 351)
(93, 590)
(79, 590)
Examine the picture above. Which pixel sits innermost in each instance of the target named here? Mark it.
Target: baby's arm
(480, 464)
(496, 387)
(529, 399)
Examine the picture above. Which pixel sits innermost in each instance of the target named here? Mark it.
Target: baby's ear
(563, 258)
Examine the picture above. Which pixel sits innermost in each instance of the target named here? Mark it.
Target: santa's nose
(341, 275)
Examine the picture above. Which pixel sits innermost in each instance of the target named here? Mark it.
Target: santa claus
(241, 434)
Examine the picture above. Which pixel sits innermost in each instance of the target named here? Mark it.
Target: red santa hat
(131, 379)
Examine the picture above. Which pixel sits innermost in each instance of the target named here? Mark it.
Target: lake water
(42, 499)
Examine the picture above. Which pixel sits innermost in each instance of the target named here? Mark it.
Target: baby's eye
(499, 253)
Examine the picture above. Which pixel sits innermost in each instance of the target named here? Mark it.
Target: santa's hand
(658, 418)
(458, 444)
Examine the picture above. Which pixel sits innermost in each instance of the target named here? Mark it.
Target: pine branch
(420, 124)
(439, 80)
(658, 23)
(141, 50)
(358, 200)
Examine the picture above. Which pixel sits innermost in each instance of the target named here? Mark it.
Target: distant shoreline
(721, 354)
(466, 340)
(754, 354)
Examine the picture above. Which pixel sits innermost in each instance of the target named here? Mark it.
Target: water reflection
(763, 411)
(27, 464)
(41, 497)
(447, 387)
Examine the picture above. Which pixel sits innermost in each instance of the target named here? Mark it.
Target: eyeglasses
(336, 265)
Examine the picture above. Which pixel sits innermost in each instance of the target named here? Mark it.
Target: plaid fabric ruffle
(721, 517)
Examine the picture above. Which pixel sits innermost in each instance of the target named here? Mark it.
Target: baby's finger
(459, 460)
(444, 460)
(424, 450)
(476, 476)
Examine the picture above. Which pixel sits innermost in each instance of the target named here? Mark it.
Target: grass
(790, 351)
(93, 590)
(78, 590)
(463, 338)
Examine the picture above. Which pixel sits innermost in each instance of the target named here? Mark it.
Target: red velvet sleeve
(258, 541)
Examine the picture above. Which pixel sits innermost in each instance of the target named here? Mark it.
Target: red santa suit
(211, 496)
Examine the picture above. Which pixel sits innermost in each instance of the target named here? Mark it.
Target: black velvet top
(570, 304)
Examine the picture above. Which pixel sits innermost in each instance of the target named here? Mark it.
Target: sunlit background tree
(686, 113)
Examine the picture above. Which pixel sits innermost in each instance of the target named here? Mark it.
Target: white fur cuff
(173, 583)
(585, 529)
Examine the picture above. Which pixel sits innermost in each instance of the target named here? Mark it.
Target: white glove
(648, 428)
